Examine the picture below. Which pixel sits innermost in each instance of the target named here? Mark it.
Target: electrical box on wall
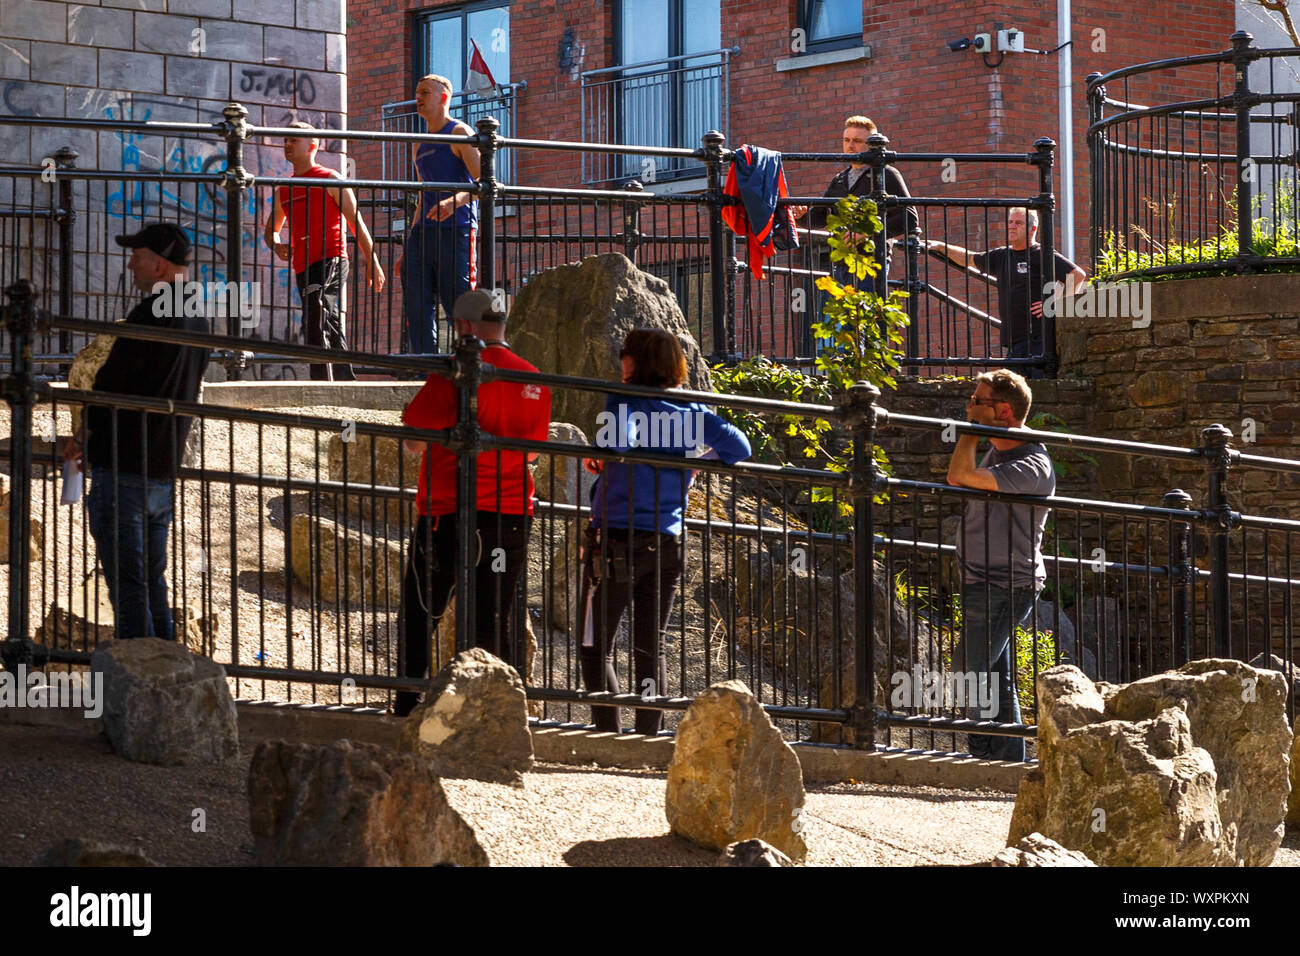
(1011, 41)
(983, 43)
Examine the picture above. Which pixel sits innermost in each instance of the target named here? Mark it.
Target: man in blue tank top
(439, 259)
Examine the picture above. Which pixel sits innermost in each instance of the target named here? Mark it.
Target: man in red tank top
(318, 250)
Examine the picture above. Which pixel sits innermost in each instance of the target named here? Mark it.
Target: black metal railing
(1193, 164)
(521, 230)
(662, 102)
(291, 539)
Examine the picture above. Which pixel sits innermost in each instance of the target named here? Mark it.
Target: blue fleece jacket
(644, 497)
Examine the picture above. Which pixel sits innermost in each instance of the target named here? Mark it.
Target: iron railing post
(487, 180)
(235, 180)
(1218, 458)
(20, 391)
(1243, 54)
(466, 437)
(721, 259)
(912, 250)
(861, 413)
(632, 222)
(876, 144)
(1181, 571)
(1044, 158)
(1097, 171)
(66, 216)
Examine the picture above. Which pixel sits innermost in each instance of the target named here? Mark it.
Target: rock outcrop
(1185, 768)
(571, 320)
(353, 804)
(733, 777)
(473, 721)
(164, 704)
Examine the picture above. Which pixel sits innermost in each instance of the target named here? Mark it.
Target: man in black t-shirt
(1017, 268)
(133, 455)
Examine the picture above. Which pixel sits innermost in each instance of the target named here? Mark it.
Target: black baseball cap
(164, 238)
(476, 306)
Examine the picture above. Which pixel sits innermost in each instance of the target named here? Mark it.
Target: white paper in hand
(72, 480)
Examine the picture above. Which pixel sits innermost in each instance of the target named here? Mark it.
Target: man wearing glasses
(999, 550)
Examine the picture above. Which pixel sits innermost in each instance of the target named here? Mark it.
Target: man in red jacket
(504, 500)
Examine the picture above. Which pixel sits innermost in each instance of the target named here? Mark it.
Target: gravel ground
(58, 783)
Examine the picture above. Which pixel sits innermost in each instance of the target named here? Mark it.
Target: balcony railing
(654, 103)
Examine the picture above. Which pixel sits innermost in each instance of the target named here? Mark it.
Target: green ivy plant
(862, 332)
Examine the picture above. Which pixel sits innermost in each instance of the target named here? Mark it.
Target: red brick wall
(924, 97)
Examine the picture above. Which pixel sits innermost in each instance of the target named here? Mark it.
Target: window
(673, 98)
(442, 42)
(831, 24)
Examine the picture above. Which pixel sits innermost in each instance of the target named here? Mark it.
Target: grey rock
(1238, 715)
(473, 721)
(71, 851)
(733, 777)
(164, 704)
(353, 804)
(1187, 767)
(1037, 850)
(571, 320)
(753, 853)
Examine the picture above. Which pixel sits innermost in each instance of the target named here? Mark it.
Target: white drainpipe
(1065, 150)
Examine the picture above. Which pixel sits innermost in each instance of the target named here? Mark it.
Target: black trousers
(320, 287)
(430, 581)
(640, 569)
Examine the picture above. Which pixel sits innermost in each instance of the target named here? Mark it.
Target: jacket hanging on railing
(757, 178)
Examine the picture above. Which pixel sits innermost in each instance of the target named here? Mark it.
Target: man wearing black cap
(133, 455)
(504, 500)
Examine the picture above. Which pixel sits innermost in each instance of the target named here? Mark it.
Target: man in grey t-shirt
(999, 550)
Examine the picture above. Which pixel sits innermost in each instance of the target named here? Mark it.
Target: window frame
(847, 41)
(419, 36)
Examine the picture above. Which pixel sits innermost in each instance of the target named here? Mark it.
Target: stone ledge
(324, 723)
(810, 60)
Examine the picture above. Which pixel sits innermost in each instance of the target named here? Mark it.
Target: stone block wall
(170, 61)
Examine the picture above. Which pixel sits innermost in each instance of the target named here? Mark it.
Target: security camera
(958, 45)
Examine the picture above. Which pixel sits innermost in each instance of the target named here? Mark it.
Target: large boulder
(554, 571)
(571, 320)
(1182, 768)
(368, 460)
(339, 561)
(1290, 671)
(1037, 850)
(353, 804)
(733, 777)
(164, 704)
(562, 478)
(1238, 714)
(473, 722)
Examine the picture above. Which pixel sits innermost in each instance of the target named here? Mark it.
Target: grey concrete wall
(171, 61)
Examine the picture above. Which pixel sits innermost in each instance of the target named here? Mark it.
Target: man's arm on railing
(957, 254)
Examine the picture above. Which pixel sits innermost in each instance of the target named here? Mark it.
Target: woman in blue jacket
(635, 545)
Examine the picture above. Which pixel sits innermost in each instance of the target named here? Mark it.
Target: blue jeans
(437, 266)
(989, 617)
(129, 519)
